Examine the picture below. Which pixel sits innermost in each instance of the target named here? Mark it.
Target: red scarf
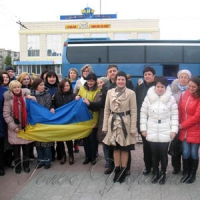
(22, 111)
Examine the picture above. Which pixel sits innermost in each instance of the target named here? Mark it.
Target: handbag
(175, 147)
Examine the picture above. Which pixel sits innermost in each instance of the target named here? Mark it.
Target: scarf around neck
(19, 99)
(182, 88)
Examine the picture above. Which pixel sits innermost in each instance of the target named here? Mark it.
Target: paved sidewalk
(86, 182)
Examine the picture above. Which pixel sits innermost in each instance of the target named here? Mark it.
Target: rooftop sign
(88, 13)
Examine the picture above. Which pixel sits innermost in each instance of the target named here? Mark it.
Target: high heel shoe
(71, 160)
(63, 160)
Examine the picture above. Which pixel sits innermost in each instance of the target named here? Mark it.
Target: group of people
(153, 109)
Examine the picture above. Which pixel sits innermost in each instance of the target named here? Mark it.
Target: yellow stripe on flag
(51, 133)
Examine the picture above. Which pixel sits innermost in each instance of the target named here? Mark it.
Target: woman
(189, 112)
(73, 76)
(25, 79)
(8, 152)
(14, 113)
(44, 98)
(89, 91)
(100, 134)
(63, 96)
(119, 124)
(3, 126)
(85, 70)
(159, 124)
(43, 74)
(51, 82)
(178, 87)
(6, 79)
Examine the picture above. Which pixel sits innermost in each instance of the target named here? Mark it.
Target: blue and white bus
(131, 56)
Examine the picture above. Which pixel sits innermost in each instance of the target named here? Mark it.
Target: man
(141, 91)
(10, 70)
(111, 74)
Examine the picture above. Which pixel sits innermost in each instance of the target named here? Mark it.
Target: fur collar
(152, 96)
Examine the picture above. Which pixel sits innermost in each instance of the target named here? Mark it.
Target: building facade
(41, 43)
(4, 53)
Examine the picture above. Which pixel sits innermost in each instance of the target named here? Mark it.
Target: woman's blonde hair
(13, 84)
(87, 66)
(22, 75)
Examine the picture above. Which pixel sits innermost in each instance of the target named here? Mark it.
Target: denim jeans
(44, 155)
(106, 152)
(190, 150)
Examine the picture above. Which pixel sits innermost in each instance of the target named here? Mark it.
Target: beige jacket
(123, 103)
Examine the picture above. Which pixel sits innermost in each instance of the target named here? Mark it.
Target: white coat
(159, 116)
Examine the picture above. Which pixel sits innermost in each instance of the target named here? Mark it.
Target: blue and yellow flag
(71, 121)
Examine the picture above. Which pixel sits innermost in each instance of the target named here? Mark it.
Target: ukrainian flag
(71, 121)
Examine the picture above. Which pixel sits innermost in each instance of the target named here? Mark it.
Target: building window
(76, 36)
(58, 69)
(33, 45)
(144, 36)
(54, 45)
(121, 36)
(99, 35)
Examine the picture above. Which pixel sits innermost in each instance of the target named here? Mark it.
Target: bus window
(87, 54)
(170, 70)
(126, 54)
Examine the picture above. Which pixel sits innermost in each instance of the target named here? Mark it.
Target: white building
(41, 43)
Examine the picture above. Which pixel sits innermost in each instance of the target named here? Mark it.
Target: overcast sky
(178, 19)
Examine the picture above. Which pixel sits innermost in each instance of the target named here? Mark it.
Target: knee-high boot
(192, 177)
(155, 177)
(186, 172)
(162, 176)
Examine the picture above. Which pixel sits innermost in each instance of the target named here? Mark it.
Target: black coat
(61, 99)
(141, 92)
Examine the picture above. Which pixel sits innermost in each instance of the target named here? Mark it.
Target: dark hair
(111, 66)
(149, 69)
(36, 82)
(50, 74)
(61, 85)
(162, 80)
(3, 78)
(43, 73)
(121, 73)
(91, 76)
(196, 80)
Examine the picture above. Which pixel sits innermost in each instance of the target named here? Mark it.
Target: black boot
(93, 161)
(155, 175)
(186, 172)
(192, 177)
(162, 177)
(116, 177)
(122, 174)
(87, 160)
